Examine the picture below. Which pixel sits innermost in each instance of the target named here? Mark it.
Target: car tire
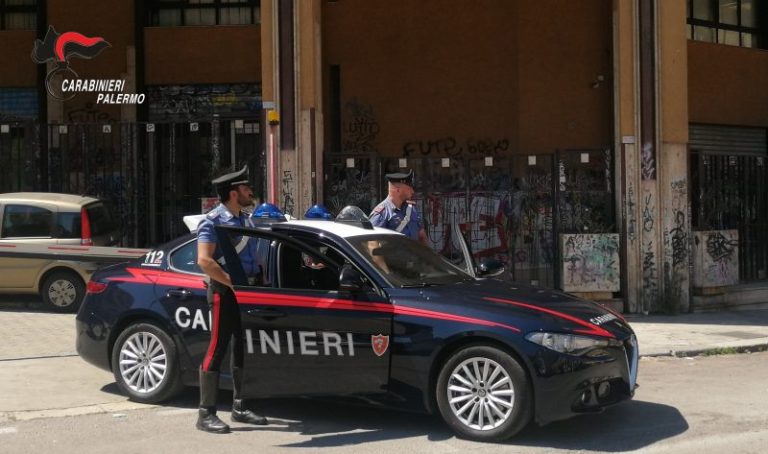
(466, 392)
(145, 364)
(63, 291)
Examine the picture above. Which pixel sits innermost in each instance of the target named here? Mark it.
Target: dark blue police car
(345, 310)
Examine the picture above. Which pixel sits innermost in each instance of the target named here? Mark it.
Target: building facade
(611, 148)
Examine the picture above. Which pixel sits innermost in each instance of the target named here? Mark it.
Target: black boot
(239, 411)
(207, 419)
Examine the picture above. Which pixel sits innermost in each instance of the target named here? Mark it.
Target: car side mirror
(489, 268)
(351, 280)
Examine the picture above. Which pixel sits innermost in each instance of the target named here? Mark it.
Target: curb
(711, 351)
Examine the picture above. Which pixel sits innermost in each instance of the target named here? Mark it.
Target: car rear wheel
(63, 291)
(483, 394)
(145, 365)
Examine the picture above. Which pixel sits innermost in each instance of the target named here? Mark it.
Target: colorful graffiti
(590, 262)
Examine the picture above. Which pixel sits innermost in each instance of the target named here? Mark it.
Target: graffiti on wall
(482, 217)
(716, 258)
(89, 114)
(187, 102)
(648, 162)
(650, 266)
(286, 193)
(350, 185)
(630, 213)
(360, 129)
(678, 234)
(590, 262)
(450, 147)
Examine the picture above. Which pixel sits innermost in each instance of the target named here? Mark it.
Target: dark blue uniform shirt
(246, 249)
(387, 215)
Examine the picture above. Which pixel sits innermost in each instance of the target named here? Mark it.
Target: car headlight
(570, 343)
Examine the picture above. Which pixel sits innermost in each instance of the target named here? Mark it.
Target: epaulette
(410, 202)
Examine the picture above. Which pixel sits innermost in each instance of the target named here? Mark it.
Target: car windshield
(405, 262)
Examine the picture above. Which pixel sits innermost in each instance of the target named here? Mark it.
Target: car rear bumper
(92, 340)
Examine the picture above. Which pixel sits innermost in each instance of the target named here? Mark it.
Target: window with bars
(18, 14)
(169, 13)
(732, 22)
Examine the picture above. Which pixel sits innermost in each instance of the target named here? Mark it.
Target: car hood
(524, 307)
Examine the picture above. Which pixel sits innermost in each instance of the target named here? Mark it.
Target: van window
(102, 221)
(68, 225)
(26, 221)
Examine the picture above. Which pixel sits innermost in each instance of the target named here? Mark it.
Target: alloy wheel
(481, 393)
(143, 362)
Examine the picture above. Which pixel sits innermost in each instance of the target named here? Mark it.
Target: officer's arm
(209, 266)
(377, 217)
(423, 236)
(423, 239)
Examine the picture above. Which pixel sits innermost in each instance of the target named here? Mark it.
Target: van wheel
(145, 364)
(63, 291)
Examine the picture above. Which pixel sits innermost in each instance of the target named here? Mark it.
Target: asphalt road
(52, 401)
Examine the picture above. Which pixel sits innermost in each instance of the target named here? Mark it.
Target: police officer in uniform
(397, 212)
(235, 193)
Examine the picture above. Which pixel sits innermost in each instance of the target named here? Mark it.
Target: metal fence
(151, 173)
(730, 191)
(19, 156)
(510, 208)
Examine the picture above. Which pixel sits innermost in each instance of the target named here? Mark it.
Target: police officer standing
(235, 193)
(397, 212)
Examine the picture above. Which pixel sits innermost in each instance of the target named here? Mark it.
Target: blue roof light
(318, 212)
(268, 211)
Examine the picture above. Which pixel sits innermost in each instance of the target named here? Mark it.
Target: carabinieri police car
(344, 309)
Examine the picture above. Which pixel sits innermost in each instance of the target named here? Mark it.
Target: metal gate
(19, 157)
(152, 174)
(731, 192)
(510, 208)
(729, 183)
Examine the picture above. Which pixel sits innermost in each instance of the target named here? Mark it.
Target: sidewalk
(693, 334)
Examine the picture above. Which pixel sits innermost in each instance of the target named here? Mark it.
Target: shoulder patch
(378, 209)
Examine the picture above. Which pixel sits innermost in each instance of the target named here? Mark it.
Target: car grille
(632, 353)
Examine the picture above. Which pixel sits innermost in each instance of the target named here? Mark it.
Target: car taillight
(85, 228)
(95, 287)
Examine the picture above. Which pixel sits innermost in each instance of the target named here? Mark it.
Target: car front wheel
(145, 365)
(483, 394)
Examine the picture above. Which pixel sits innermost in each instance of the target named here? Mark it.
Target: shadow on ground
(329, 423)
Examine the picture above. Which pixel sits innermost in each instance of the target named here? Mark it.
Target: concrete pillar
(650, 70)
(673, 153)
(297, 179)
(626, 121)
(269, 94)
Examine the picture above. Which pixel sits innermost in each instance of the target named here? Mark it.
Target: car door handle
(266, 312)
(180, 293)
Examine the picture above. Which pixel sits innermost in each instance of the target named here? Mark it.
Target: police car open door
(302, 334)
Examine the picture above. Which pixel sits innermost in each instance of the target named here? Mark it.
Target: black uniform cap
(401, 177)
(233, 179)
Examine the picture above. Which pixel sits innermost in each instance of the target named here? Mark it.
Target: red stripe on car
(591, 329)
